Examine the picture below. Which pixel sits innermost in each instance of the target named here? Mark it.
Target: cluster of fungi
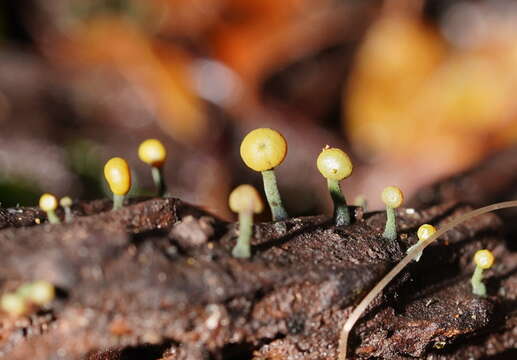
(262, 150)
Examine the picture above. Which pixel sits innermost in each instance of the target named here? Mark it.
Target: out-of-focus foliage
(438, 97)
(425, 89)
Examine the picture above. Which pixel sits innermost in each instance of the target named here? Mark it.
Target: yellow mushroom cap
(484, 259)
(116, 172)
(263, 149)
(245, 198)
(334, 164)
(65, 202)
(392, 196)
(13, 304)
(41, 292)
(48, 202)
(425, 232)
(152, 152)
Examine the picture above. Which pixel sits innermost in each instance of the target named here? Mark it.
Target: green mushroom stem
(478, 288)
(157, 173)
(273, 196)
(66, 203)
(118, 201)
(68, 214)
(243, 247)
(341, 212)
(52, 217)
(390, 231)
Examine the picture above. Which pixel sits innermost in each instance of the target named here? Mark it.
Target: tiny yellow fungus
(335, 165)
(361, 201)
(66, 203)
(245, 200)
(153, 153)
(484, 259)
(118, 176)
(391, 196)
(41, 292)
(13, 304)
(49, 203)
(262, 150)
(423, 233)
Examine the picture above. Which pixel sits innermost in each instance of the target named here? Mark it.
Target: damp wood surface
(156, 280)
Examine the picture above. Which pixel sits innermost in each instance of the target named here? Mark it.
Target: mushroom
(335, 165)
(484, 259)
(424, 232)
(48, 203)
(153, 153)
(13, 304)
(66, 203)
(262, 150)
(392, 196)
(41, 292)
(245, 200)
(118, 176)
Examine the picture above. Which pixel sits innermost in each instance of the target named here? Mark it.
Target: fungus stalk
(335, 165)
(243, 247)
(262, 150)
(391, 196)
(48, 203)
(118, 176)
(153, 153)
(341, 213)
(421, 245)
(245, 200)
(66, 203)
(484, 259)
(273, 195)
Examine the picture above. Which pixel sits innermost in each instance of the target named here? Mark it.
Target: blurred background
(414, 90)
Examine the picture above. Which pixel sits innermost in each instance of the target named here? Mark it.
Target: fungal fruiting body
(49, 203)
(335, 165)
(362, 202)
(424, 232)
(484, 259)
(245, 200)
(118, 176)
(153, 153)
(262, 150)
(13, 304)
(391, 196)
(66, 203)
(41, 292)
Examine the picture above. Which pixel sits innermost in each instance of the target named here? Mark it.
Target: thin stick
(359, 310)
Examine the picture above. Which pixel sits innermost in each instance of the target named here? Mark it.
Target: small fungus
(13, 304)
(262, 150)
(118, 176)
(48, 203)
(424, 232)
(391, 196)
(484, 259)
(361, 201)
(335, 165)
(245, 200)
(153, 153)
(66, 203)
(41, 292)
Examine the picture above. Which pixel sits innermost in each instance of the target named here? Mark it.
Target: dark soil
(156, 280)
